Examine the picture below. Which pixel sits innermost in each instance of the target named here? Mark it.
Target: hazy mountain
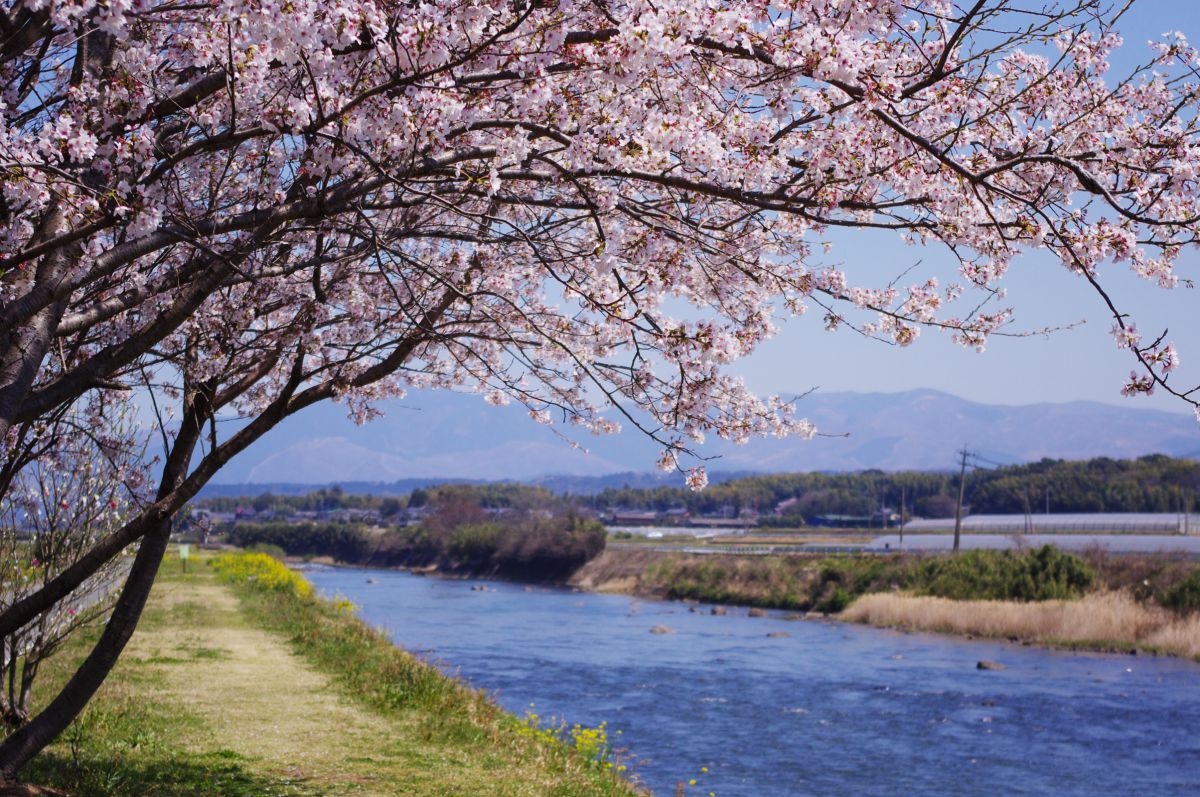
(575, 485)
(516, 459)
(440, 435)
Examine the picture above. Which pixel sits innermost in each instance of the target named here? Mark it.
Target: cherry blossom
(525, 198)
(593, 208)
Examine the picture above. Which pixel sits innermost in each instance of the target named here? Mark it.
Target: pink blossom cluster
(592, 209)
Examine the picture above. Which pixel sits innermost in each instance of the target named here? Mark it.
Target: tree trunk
(27, 742)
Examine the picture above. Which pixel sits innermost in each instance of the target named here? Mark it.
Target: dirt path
(209, 701)
(215, 664)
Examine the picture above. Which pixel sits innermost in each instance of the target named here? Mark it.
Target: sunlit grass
(1098, 620)
(259, 688)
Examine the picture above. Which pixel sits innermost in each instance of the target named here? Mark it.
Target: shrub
(836, 602)
(273, 551)
(1185, 596)
(475, 543)
(1045, 573)
(518, 546)
(345, 541)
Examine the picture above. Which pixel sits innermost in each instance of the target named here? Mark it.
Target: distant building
(677, 515)
(1097, 522)
(211, 518)
(629, 517)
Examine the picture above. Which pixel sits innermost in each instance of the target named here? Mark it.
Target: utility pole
(903, 504)
(962, 487)
(1047, 499)
(1185, 504)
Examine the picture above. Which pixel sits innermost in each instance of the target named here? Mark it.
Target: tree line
(498, 495)
(535, 538)
(1154, 483)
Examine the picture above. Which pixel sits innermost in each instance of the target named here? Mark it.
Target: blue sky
(1079, 363)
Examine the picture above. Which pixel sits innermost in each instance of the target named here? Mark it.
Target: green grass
(253, 688)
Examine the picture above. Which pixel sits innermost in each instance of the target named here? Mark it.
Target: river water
(828, 709)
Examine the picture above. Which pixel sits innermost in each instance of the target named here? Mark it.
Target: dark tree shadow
(218, 774)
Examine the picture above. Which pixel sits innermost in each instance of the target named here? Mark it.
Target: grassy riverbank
(831, 583)
(249, 685)
(1106, 621)
(1095, 602)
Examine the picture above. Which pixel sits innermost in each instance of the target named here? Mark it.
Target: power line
(977, 457)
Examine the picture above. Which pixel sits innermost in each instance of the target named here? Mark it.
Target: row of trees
(346, 542)
(324, 499)
(536, 537)
(505, 530)
(496, 495)
(238, 210)
(1153, 483)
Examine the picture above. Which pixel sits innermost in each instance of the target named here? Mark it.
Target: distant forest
(1154, 483)
(492, 495)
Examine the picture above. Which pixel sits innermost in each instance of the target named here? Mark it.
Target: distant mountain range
(440, 436)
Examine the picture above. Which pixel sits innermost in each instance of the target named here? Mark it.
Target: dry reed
(1102, 620)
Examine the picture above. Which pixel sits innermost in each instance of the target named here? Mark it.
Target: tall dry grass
(1101, 619)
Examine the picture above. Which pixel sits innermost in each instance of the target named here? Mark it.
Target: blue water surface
(828, 709)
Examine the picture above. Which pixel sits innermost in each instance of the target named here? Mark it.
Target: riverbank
(254, 688)
(1099, 602)
(1114, 604)
(765, 706)
(1104, 621)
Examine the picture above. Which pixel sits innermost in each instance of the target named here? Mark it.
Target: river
(825, 709)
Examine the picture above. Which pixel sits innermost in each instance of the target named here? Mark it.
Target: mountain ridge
(450, 436)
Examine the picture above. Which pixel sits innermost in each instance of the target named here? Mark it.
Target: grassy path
(253, 695)
(207, 701)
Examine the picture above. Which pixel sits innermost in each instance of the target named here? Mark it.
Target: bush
(1185, 596)
(836, 602)
(476, 543)
(1045, 573)
(521, 546)
(273, 551)
(345, 541)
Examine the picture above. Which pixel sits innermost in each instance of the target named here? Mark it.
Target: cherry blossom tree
(591, 207)
(76, 479)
